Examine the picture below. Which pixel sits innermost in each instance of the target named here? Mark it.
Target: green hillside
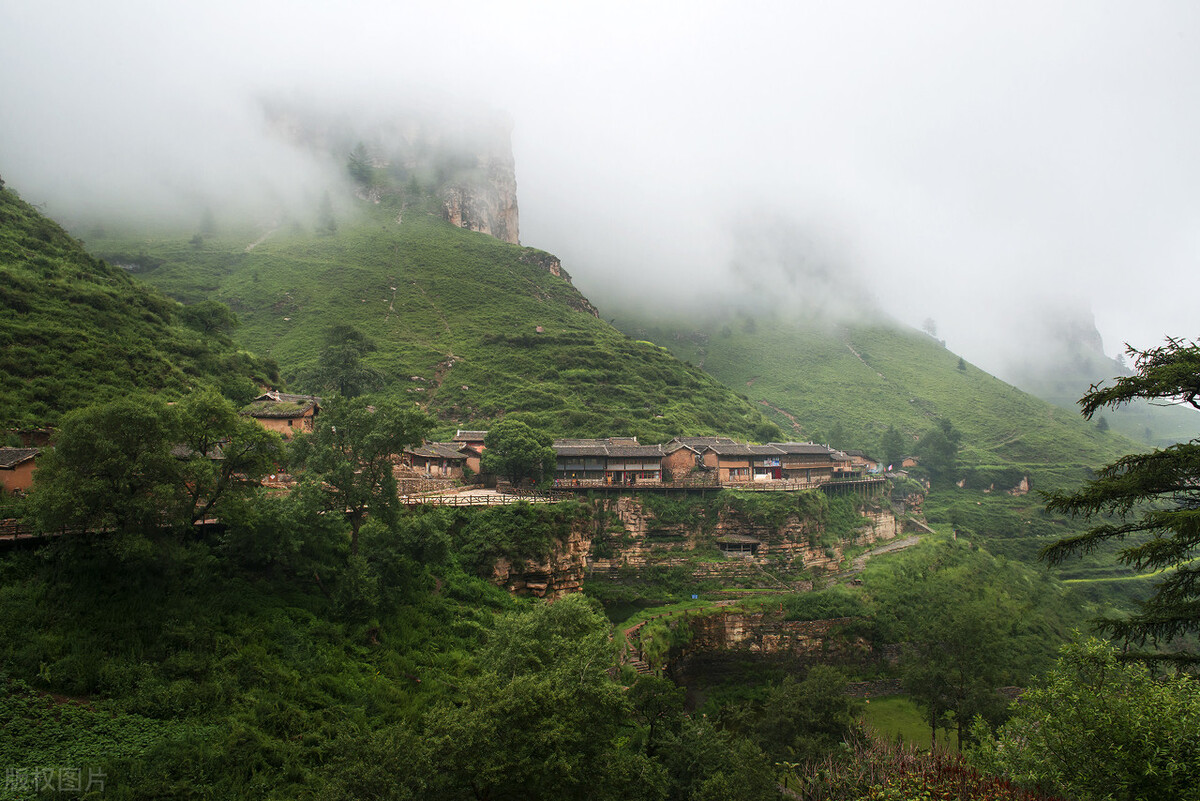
(74, 329)
(469, 327)
(849, 383)
(846, 384)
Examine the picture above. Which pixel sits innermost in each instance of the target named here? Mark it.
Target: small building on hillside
(859, 460)
(842, 463)
(679, 461)
(16, 468)
(437, 459)
(471, 443)
(283, 413)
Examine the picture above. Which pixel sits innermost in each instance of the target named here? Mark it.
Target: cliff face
(767, 633)
(486, 199)
(794, 546)
(465, 160)
(560, 573)
(642, 542)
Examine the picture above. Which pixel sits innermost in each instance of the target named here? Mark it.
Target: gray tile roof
(438, 450)
(617, 447)
(803, 448)
(699, 443)
(11, 457)
(282, 405)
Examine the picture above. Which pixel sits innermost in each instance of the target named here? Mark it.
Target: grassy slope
(865, 378)
(75, 330)
(454, 314)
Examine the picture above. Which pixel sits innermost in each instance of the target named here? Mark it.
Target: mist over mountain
(1060, 355)
(998, 159)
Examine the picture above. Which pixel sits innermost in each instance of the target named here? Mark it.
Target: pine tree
(1148, 503)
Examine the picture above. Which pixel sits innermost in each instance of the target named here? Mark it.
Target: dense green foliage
(256, 679)
(136, 465)
(75, 330)
(970, 622)
(1149, 504)
(340, 368)
(1097, 727)
(469, 326)
(347, 458)
(518, 452)
(879, 771)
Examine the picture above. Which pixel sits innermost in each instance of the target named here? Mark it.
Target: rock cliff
(748, 551)
(560, 573)
(485, 199)
(463, 159)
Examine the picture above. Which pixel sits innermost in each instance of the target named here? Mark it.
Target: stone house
(437, 459)
(16, 468)
(471, 444)
(283, 413)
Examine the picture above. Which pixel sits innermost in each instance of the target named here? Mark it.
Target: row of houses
(623, 461)
(608, 461)
(721, 460)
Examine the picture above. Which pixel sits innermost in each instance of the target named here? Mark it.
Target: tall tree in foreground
(1149, 503)
(347, 459)
(136, 466)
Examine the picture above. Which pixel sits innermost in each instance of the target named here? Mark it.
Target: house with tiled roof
(16, 468)
(472, 445)
(738, 462)
(612, 460)
(808, 461)
(284, 413)
(862, 461)
(437, 459)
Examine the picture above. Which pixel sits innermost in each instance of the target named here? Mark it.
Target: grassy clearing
(896, 718)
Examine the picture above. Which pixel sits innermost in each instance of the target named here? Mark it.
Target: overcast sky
(976, 163)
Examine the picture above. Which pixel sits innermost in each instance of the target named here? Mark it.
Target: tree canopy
(347, 458)
(340, 367)
(137, 465)
(938, 450)
(1097, 728)
(1148, 504)
(516, 451)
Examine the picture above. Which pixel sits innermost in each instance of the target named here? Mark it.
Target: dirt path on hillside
(860, 561)
(260, 240)
(795, 423)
